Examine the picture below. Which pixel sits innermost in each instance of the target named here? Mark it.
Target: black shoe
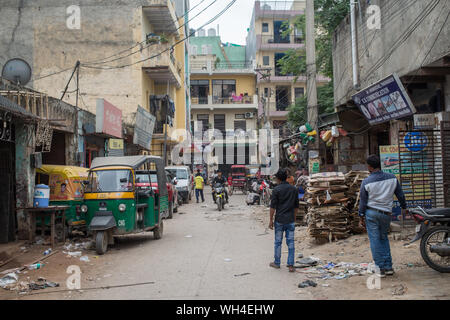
(389, 272)
(381, 273)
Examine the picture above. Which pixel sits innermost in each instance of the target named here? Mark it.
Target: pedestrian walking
(375, 210)
(284, 206)
(199, 185)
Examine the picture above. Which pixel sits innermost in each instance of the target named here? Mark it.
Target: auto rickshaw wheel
(170, 210)
(101, 242)
(158, 231)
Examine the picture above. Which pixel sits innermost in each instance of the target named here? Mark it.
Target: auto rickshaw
(66, 189)
(238, 178)
(114, 205)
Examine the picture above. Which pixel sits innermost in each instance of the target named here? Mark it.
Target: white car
(185, 181)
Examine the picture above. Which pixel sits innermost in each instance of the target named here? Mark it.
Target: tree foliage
(328, 15)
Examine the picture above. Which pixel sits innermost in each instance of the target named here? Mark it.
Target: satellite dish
(17, 70)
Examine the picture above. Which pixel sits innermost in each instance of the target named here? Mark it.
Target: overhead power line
(168, 49)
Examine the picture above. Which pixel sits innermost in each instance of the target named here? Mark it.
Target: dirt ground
(206, 254)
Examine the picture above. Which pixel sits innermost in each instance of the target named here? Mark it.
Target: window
(199, 91)
(240, 125)
(223, 90)
(266, 60)
(219, 122)
(193, 50)
(266, 92)
(204, 119)
(299, 92)
(265, 27)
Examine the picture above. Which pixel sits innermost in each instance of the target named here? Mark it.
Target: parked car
(149, 179)
(185, 181)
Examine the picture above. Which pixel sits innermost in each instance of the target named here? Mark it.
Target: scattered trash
(242, 274)
(399, 290)
(107, 275)
(188, 236)
(48, 251)
(300, 255)
(307, 262)
(325, 285)
(35, 266)
(42, 283)
(227, 260)
(9, 279)
(74, 253)
(84, 259)
(410, 265)
(39, 240)
(307, 283)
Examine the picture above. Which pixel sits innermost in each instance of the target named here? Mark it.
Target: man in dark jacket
(284, 207)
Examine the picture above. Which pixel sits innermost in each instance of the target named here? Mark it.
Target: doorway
(7, 193)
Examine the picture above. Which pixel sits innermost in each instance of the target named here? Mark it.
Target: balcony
(225, 67)
(161, 15)
(277, 42)
(211, 103)
(276, 108)
(162, 68)
(278, 9)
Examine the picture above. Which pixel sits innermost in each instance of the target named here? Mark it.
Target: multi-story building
(267, 44)
(131, 54)
(223, 95)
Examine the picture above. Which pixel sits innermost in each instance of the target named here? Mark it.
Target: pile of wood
(300, 218)
(328, 215)
(353, 180)
(326, 188)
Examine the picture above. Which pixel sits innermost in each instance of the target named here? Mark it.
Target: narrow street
(203, 254)
(206, 254)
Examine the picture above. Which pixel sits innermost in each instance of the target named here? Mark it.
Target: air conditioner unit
(249, 115)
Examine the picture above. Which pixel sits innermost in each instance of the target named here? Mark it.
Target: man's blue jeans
(198, 193)
(377, 224)
(289, 229)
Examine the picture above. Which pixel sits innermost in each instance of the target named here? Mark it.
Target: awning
(10, 106)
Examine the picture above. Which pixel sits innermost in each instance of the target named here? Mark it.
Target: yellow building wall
(244, 83)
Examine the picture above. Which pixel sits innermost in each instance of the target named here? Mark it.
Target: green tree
(328, 15)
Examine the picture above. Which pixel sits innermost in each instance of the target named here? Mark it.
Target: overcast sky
(233, 23)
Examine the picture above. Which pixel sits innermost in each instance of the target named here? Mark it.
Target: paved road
(198, 257)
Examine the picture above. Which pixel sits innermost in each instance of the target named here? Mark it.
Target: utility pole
(354, 44)
(311, 86)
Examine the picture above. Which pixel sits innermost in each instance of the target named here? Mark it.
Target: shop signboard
(384, 101)
(108, 119)
(144, 128)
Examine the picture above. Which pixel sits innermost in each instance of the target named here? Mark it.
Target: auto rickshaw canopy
(142, 162)
(65, 182)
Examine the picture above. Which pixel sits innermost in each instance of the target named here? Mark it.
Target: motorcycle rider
(223, 181)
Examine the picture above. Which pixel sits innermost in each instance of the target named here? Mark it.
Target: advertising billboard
(384, 101)
(108, 119)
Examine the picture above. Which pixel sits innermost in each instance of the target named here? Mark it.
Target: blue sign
(416, 141)
(384, 101)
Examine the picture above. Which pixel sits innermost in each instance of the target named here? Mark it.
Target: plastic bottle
(48, 251)
(35, 266)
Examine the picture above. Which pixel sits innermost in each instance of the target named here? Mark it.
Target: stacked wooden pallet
(353, 180)
(300, 218)
(328, 215)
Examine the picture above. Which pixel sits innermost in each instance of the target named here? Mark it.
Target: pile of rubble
(328, 215)
(353, 180)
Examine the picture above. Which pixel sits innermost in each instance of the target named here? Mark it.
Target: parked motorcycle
(219, 196)
(433, 228)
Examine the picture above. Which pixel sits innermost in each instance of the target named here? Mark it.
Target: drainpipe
(354, 44)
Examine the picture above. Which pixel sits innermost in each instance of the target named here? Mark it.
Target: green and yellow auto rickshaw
(66, 189)
(114, 205)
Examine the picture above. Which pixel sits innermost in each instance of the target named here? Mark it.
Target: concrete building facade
(129, 52)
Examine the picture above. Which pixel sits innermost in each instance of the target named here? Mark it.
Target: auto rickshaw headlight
(122, 207)
(84, 208)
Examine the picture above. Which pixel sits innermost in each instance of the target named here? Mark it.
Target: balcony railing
(270, 39)
(233, 100)
(230, 66)
(199, 100)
